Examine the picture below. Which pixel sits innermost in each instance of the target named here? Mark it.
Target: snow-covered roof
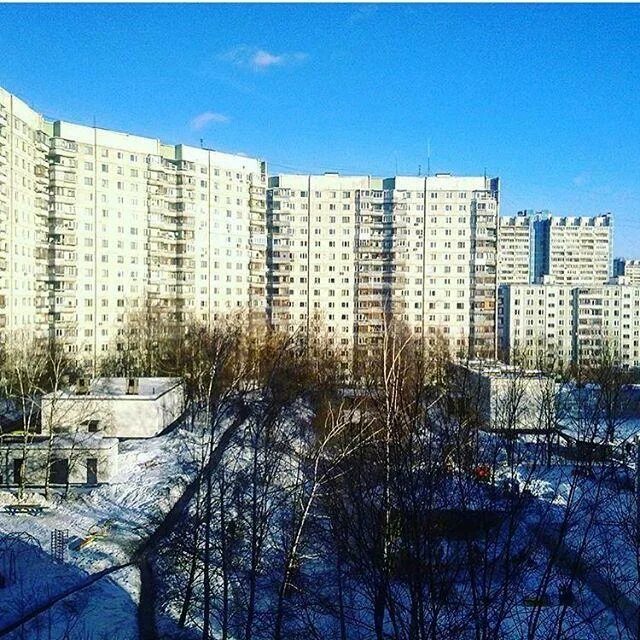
(111, 388)
(496, 369)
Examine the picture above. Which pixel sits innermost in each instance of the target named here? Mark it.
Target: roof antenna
(429, 157)
(201, 143)
(419, 170)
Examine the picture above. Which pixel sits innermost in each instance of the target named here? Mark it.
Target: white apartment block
(552, 325)
(607, 319)
(24, 209)
(573, 250)
(580, 249)
(536, 324)
(515, 249)
(102, 224)
(347, 253)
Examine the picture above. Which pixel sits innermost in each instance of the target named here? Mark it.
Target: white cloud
(208, 117)
(260, 59)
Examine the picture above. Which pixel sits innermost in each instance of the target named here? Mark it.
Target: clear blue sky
(545, 96)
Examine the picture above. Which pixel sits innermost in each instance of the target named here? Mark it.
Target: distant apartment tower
(630, 269)
(580, 249)
(573, 250)
(105, 224)
(348, 253)
(523, 254)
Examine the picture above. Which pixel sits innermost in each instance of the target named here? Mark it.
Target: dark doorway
(92, 470)
(59, 471)
(18, 470)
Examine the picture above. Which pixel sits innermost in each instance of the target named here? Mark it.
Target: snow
(152, 474)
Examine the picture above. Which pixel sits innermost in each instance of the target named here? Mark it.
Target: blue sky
(545, 96)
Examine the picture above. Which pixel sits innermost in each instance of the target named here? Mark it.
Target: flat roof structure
(139, 388)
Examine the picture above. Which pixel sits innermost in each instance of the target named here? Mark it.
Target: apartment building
(536, 324)
(350, 252)
(607, 319)
(580, 249)
(24, 208)
(103, 224)
(179, 229)
(554, 325)
(574, 250)
(523, 254)
(630, 269)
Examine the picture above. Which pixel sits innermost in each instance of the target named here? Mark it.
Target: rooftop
(497, 369)
(148, 388)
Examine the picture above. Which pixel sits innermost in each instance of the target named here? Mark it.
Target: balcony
(62, 147)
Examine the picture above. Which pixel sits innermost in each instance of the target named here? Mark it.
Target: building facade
(580, 249)
(97, 225)
(536, 324)
(115, 407)
(554, 325)
(508, 399)
(349, 253)
(24, 210)
(629, 269)
(573, 250)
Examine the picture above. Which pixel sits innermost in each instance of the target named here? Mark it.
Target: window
(92, 425)
(92, 471)
(59, 471)
(18, 470)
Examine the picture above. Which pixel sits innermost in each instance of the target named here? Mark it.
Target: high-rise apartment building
(101, 224)
(573, 250)
(554, 325)
(24, 209)
(630, 269)
(349, 253)
(580, 249)
(545, 256)
(523, 254)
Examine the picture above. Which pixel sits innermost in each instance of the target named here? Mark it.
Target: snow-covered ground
(152, 475)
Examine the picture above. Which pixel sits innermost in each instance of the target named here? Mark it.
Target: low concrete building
(115, 407)
(63, 459)
(507, 399)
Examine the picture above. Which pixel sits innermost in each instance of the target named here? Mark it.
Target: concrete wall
(118, 416)
(36, 457)
(502, 400)
(522, 402)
